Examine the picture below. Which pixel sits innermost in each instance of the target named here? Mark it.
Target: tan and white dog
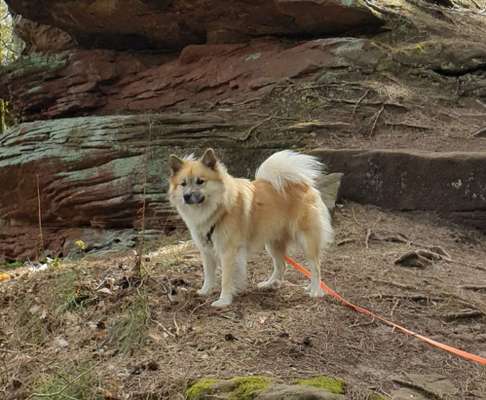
(229, 217)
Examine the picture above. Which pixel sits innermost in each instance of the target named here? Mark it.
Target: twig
(374, 103)
(479, 268)
(199, 306)
(466, 314)
(367, 238)
(392, 283)
(359, 101)
(176, 326)
(163, 328)
(362, 324)
(476, 4)
(408, 125)
(256, 126)
(481, 132)
(39, 217)
(137, 269)
(378, 114)
(413, 297)
(345, 241)
(397, 302)
(473, 287)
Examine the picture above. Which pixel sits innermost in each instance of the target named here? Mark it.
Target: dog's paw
(222, 302)
(316, 292)
(204, 291)
(270, 284)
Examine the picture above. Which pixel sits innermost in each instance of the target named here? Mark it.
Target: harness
(209, 235)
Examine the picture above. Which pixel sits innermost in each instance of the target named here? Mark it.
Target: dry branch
(377, 117)
(466, 314)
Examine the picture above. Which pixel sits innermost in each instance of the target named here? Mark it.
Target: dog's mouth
(192, 199)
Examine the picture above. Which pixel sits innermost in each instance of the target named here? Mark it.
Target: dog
(229, 218)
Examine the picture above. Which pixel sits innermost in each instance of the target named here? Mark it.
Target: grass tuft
(71, 382)
(130, 331)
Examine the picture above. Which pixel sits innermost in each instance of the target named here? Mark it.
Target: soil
(283, 334)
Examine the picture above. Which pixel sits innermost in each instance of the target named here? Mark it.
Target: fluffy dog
(229, 217)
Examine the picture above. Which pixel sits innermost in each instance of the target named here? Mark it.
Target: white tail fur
(289, 166)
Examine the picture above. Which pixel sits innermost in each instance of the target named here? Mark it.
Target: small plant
(70, 294)
(71, 382)
(80, 244)
(9, 265)
(129, 333)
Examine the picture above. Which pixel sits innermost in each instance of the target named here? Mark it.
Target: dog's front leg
(229, 272)
(209, 265)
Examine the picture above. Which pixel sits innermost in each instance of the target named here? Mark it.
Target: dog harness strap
(209, 235)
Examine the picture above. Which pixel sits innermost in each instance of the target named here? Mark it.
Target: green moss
(375, 396)
(248, 387)
(332, 385)
(33, 63)
(200, 388)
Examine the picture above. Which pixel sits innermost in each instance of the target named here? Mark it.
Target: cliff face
(105, 90)
(175, 24)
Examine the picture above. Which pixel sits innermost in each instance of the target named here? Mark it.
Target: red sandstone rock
(104, 81)
(174, 24)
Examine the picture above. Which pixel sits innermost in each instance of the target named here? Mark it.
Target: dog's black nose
(187, 198)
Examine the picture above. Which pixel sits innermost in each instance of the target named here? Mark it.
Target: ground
(85, 330)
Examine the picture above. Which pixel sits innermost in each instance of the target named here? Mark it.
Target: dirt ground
(149, 339)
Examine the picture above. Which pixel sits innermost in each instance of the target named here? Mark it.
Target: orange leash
(337, 296)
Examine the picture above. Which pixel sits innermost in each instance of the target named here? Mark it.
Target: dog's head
(195, 183)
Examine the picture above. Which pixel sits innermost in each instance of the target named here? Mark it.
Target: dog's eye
(183, 183)
(199, 181)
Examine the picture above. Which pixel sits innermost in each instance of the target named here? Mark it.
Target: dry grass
(149, 345)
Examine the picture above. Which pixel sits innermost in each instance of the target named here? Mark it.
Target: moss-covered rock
(237, 388)
(248, 387)
(265, 388)
(330, 384)
(200, 388)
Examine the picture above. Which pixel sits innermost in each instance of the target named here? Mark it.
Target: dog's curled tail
(289, 166)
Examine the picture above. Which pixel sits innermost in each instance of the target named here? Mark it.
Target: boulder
(90, 171)
(451, 183)
(264, 388)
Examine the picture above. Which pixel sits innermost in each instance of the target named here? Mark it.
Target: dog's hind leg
(277, 250)
(312, 250)
(209, 265)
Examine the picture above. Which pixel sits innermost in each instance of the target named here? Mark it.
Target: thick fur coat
(229, 218)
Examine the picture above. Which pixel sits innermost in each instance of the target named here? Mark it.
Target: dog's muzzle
(193, 198)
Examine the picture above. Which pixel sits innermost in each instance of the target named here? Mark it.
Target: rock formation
(106, 90)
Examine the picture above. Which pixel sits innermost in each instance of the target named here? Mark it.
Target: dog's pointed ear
(209, 158)
(175, 164)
